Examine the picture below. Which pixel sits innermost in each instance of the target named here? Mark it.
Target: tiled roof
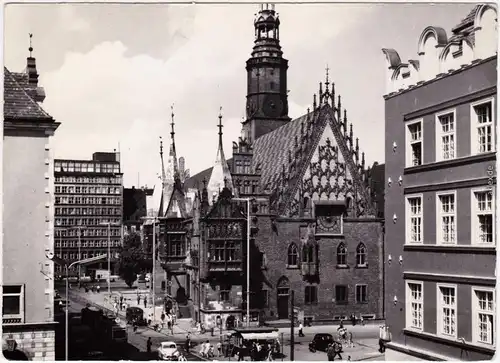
(468, 20)
(18, 104)
(271, 149)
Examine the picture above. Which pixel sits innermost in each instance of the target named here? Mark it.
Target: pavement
(365, 337)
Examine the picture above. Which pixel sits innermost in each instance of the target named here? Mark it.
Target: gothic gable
(329, 170)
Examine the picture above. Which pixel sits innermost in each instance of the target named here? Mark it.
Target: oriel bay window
(224, 251)
(176, 245)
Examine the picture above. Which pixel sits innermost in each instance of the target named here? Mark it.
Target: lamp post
(248, 200)
(153, 275)
(109, 224)
(63, 263)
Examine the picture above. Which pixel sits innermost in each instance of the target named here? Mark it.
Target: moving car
(136, 314)
(321, 342)
(168, 351)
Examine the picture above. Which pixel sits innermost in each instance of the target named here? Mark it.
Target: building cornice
(469, 249)
(48, 127)
(470, 183)
(470, 97)
(472, 159)
(459, 279)
(450, 73)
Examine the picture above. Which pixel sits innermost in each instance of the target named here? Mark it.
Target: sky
(111, 72)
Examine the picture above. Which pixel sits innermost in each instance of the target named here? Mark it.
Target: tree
(132, 258)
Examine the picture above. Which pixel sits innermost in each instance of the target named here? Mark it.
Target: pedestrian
(381, 345)
(337, 349)
(182, 358)
(351, 341)
(138, 299)
(121, 299)
(188, 343)
(98, 288)
(362, 320)
(353, 319)
(145, 302)
(219, 349)
(301, 328)
(149, 343)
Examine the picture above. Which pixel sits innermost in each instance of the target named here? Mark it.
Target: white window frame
(22, 297)
(439, 311)
(439, 218)
(409, 300)
(408, 219)
(475, 316)
(408, 142)
(440, 134)
(474, 126)
(474, 212)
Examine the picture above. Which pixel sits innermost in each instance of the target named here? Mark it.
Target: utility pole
(292, 336)
(153, 275)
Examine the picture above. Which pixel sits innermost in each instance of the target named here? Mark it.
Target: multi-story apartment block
(88, 208)
(440, 247)
(28, 326)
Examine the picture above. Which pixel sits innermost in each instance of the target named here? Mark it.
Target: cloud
(116, 90)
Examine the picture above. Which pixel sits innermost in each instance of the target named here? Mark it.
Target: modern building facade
(440, 249)
(314, 224)
(88, 197)
(28, 328)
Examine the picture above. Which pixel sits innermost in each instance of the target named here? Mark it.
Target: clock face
(273, 106)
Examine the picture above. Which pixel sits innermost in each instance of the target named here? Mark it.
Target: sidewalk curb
(378, 355)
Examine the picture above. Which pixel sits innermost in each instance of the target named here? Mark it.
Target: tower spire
(221, 176)
(31, 44)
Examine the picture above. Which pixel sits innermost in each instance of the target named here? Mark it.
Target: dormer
(485, 32)
(432, 40)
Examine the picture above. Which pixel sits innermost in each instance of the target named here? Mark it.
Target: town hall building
(297, 190)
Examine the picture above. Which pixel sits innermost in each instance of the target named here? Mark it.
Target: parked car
(321, 342)
(168, 351)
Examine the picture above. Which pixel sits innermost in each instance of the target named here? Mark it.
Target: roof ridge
(23, 90)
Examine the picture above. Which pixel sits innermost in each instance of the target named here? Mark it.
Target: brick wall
(36, 344)
(275, 246)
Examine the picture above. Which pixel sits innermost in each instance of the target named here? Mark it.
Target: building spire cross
(31, 44)
(172, 124)
(220, 125)
(161, 146)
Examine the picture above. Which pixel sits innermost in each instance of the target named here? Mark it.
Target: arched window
(341, 254)
(283, 286)
(361, 255)
(293, 255)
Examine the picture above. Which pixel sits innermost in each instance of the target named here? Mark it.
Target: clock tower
(267, 98)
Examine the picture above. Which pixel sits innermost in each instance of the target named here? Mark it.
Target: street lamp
(109, 224)
(79, 229)
(64, 263)
(153, 275)
(248, 200)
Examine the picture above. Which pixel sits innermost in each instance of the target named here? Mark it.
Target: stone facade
(28, 275)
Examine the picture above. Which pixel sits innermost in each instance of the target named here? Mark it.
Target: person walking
(138, 299)
(187, 345)
(145, 302)
(337, 349)
(149, 343)
(301, 330)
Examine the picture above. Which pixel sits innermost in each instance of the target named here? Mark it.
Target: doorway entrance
(283, 291)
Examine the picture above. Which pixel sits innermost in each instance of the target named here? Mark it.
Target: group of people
(259, 351)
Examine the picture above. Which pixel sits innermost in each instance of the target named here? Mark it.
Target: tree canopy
(133, 259)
